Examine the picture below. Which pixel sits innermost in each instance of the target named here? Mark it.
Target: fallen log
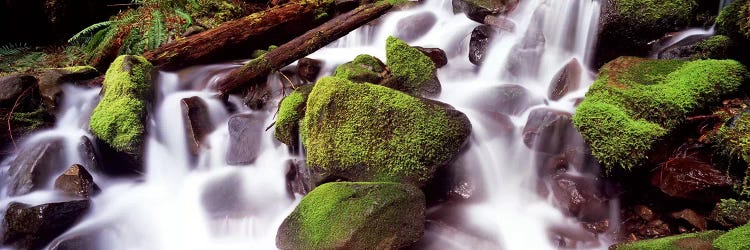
(260, 67)
(238, 38)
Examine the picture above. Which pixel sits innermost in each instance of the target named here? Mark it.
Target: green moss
(409, 67)
(291, 111)
(735, 239)
(717, 47)
(364, 68)
(355, 215)
(734, 20)
(373, 133)
(688, 241)
(118, 119)
(636, 101)
(369, 62)
(731, 212)
(656, 12)
(79, 69)
(32, 120)
(733, 139)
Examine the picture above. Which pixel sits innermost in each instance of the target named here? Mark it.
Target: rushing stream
(200, 202)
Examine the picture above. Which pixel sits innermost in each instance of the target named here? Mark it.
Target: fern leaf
(89, 30)
(186, 16)
(157, 33)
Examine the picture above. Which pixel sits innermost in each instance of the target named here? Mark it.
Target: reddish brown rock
(308, 68)
(690, 179)
(580, 196)
(77, 181)
(197, 122)
(566, 80)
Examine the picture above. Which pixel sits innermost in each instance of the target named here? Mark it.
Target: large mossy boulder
(364, 68)
(291, 112)
(351, 215)
(693, 241)
(412, 71)
(119, 118)
(735, 239)
(627, 26)
(366, 132)
(634, 102)
(734, 20)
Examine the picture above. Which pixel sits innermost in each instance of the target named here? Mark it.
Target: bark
(259, 68)
(237, 39)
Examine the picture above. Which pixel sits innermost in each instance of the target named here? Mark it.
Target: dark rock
(13, 87)
(87, 152)
(500, 124)
(26, 227)
(508, 99)
(451, 184)
(437, 55)
(481, 37)
(345, 215)
(225, 197)
(116, 163)
(682, 49)
(245, 134)
(477, 9)
(581, 197)
(598, 227)
(51, 80)
(565, 80)
(35, 166)
(415, 26)
(308, 69)
(298, 178)
(526, 56)
(77, 181)
(644, 212)
(690, 179)
(197, 122)
(500, 23)
(694, 219)
(551, 131)
(84, 241)
(730, 213)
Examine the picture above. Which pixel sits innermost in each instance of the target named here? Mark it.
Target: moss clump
(413, 72)
(701, 240)
(118, 119)
(636, 101)
(655, 12)
(735, 239)
(346, 215)
(291, 111)
(716, 47)
(364, 68)
(731, 212)
(734, 20)
(733, 139)
(366, 132)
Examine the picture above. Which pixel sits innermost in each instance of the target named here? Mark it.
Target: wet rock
(51, 80)
(308, 69)
(690, 179)
(682, 49)
(477, 9)
(197, 122)
(411, 71)
(437, 55)
(415, 26)
(525, 57)
(298, 178)
(116, 163)
(481, 37)
(13, 87)
(500, 23)
(27, 227)
(500, 124)
(87, 152)
(77, 181)
(343, 215)
(730, 213)
(694, 219)
(452, 184)
(508, 99)
(551, 131)
(192, 30)
(565, 80)
(702, 47)
(35, 166)
(644, 212)
(580, 196)
(364, 68)
(245, 134)
(84, 241)
(225, 197)
(598, 227)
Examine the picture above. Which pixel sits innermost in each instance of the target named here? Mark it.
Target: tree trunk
(237, 39)
(258, 68)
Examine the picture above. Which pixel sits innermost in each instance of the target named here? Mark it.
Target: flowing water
(201, 202)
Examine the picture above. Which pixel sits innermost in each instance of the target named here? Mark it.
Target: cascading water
(201, 202)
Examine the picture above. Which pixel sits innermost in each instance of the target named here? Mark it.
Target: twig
(287, 78)
(10, 115)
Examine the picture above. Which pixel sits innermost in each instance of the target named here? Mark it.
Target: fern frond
(186, 16)
(157, 32)
(12, 49)
(89, 30)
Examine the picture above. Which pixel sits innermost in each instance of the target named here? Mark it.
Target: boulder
(14, 86)
(291, 112)
(365, 132)
(343, 215)
(730, 213)
(119, 118)
(437, 55)
(51, 80)
(581, 197)
(634, 102)
(298, 178)
(364, 68)
(477, 10)
(412, 72)
(526, 56)
(89, 157)
(197, 122)
(690, 179)
(77, 181)
(481, 37)
(308, 69)
(566, 80)
(225, 197)
(415, 26)
(245, 134)
(508, 99)
(35, 166)
(551, 131)
(702, 47)
(27, 227)
(696, 241)
(691, 217)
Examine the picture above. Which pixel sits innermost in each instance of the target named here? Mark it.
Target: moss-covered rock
(412, 71)
(291, 112)
(691, 241)
(731, 213)
(119, 118)
(366, 132)
(734, 20)
(636, 101)
(478, 9)
(346, 215)
(735, 239)
(364, 68)
(733, 139)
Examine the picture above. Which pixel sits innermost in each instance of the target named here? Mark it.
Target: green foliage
(716, 47)
(656, 12)
(675, 242)
(733, 139)
(408, 65)
(88, 30)
(635, 101)
(735, 239)
(734, 20)
(389, 135)
(118, 119)
(291, 111)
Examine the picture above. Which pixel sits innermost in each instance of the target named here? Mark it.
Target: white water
(166, 209)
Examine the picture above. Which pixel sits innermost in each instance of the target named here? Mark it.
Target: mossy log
(238, 38)
(302, 45)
